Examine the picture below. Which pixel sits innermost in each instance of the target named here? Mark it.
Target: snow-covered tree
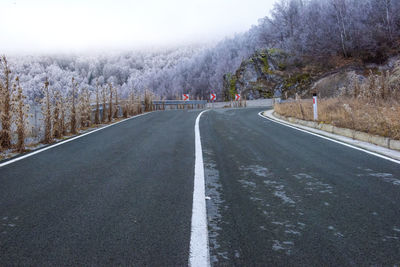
(73, 107)
(6, 92)
(97, 111)
(21, 111)
(46, 113)
(110, 103)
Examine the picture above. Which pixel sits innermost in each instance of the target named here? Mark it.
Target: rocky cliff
(274, 73)
(266, 74)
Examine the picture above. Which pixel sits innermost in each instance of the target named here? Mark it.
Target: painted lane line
(199, 248)
(330, 139)
(65, 141)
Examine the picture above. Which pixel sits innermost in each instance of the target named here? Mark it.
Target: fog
(75, 25)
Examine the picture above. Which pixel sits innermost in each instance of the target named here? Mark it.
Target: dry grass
(381, 117)
(371, 106)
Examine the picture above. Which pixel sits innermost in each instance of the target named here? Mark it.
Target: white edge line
(199, 247)
(330, 139)
(65, 141)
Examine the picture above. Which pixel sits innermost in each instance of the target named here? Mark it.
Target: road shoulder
(376, 150)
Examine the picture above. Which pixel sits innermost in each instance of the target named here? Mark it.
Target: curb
(377, 144)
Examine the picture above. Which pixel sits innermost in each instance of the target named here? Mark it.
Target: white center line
(199, 249)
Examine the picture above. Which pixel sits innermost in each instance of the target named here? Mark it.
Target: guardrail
(179, 102)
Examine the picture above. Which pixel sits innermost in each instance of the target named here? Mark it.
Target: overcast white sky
(81, 25)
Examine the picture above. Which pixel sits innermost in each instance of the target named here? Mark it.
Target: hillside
(274, 73)
(303, 39)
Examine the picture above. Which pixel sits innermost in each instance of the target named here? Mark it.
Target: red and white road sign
(185, 97)
(213, 96)
(237, 97)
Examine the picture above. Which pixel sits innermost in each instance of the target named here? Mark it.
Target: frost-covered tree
(364, 29)
(97, 111)
(104, 103)
(46, 113)
(6, 92)
(116, 112)
(73, 107)
(21, 111)
(110, 103)
(84, 108)
(63, 109)
(57, 116)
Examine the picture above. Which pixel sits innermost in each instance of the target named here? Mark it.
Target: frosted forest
(38, 91)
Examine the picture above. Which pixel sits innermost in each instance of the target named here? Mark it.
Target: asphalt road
(275, 197)
(281, 197)
(120, 196)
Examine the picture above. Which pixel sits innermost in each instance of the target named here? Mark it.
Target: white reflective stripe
(199, 248)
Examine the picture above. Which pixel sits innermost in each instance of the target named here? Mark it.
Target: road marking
(199, 249)
(332, 140)
(63, 142)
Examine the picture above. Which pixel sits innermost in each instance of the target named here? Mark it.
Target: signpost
(315, 106)
(213, 97)
(237, 97)
(185, 97)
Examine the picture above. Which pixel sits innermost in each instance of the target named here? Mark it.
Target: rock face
(274, 73)
(265, 75)
(336, 84)
(256, 77)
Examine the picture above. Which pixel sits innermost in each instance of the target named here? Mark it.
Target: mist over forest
(368, 30)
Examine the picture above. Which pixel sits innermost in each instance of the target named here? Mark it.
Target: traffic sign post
(213, 97)
(315, 106)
